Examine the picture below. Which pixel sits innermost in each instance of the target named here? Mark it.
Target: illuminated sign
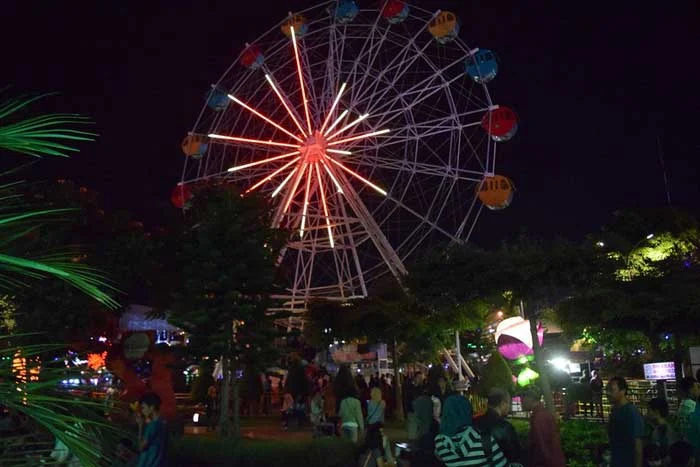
(659, 371)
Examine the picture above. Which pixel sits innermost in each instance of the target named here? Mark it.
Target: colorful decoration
(96, 361)
(181, 195)
(298, 22)
(395, 11)
(482, 66)
(496, 192)
(527, 377)
(501, 123)
(444, 27)
(252, 57)
(161, 381)
(122, 359)
(195, 146)
(513, 337)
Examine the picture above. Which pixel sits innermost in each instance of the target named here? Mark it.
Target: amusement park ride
(374, 132)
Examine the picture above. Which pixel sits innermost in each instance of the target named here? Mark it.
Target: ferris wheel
(372, 130)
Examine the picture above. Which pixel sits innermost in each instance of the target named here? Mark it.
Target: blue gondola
(346, 11)
(482, 66)
(217, 98)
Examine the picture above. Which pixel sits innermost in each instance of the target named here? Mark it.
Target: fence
(639, 392)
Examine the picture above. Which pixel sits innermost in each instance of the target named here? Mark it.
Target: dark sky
(594, 84)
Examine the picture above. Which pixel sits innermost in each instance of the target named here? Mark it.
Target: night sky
(594, 85)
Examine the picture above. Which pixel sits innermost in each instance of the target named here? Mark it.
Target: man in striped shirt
(460, 445)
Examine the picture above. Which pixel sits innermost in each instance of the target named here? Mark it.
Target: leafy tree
(227, 263)
(496, 373)
(139, 262)
(526, 272)
(412, 330)
(652, 292)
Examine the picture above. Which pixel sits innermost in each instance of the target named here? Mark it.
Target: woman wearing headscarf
(459, 444)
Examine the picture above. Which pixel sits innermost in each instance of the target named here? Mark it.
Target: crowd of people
(443, 428)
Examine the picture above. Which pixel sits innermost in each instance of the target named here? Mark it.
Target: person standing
(375, 407)
(626, 427)
(153, 437)
(690, 390)
(544, 440)
(493, 422)
(596, 385)
(349, 408)
(661, 435)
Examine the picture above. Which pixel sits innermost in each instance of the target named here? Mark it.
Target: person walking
(494, 423)
(625, 428)
(544, 440)
(349, 409)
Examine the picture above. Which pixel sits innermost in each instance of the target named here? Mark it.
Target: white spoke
(264, 161)
(332, 109)
(283, 100)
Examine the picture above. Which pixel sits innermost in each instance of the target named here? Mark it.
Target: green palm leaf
(75, 421)
(43, 135)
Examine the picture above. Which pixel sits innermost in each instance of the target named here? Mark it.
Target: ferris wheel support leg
(378, 238)
(355, 257)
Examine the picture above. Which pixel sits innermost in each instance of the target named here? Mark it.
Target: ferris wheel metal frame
(415, 115)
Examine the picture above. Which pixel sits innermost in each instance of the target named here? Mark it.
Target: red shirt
(544, 442)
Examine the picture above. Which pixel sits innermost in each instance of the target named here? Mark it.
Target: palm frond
(83, 278)
(42, 135)
(77, 422)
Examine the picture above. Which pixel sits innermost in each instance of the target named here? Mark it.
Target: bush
(497, 373)
(200, 451)
(582, 441)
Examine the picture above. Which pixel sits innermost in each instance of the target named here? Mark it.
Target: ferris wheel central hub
(313, 149)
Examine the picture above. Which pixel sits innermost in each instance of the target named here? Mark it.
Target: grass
(201, 451)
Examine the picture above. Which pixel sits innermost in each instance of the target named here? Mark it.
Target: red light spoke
(264, 161)
(255, 112)
(358, 176)
(301, 80)
(306, 199)
(325, 206)
(273, 175)
(253, 141)
(293, 191)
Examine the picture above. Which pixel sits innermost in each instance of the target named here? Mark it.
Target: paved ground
(270, 428)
